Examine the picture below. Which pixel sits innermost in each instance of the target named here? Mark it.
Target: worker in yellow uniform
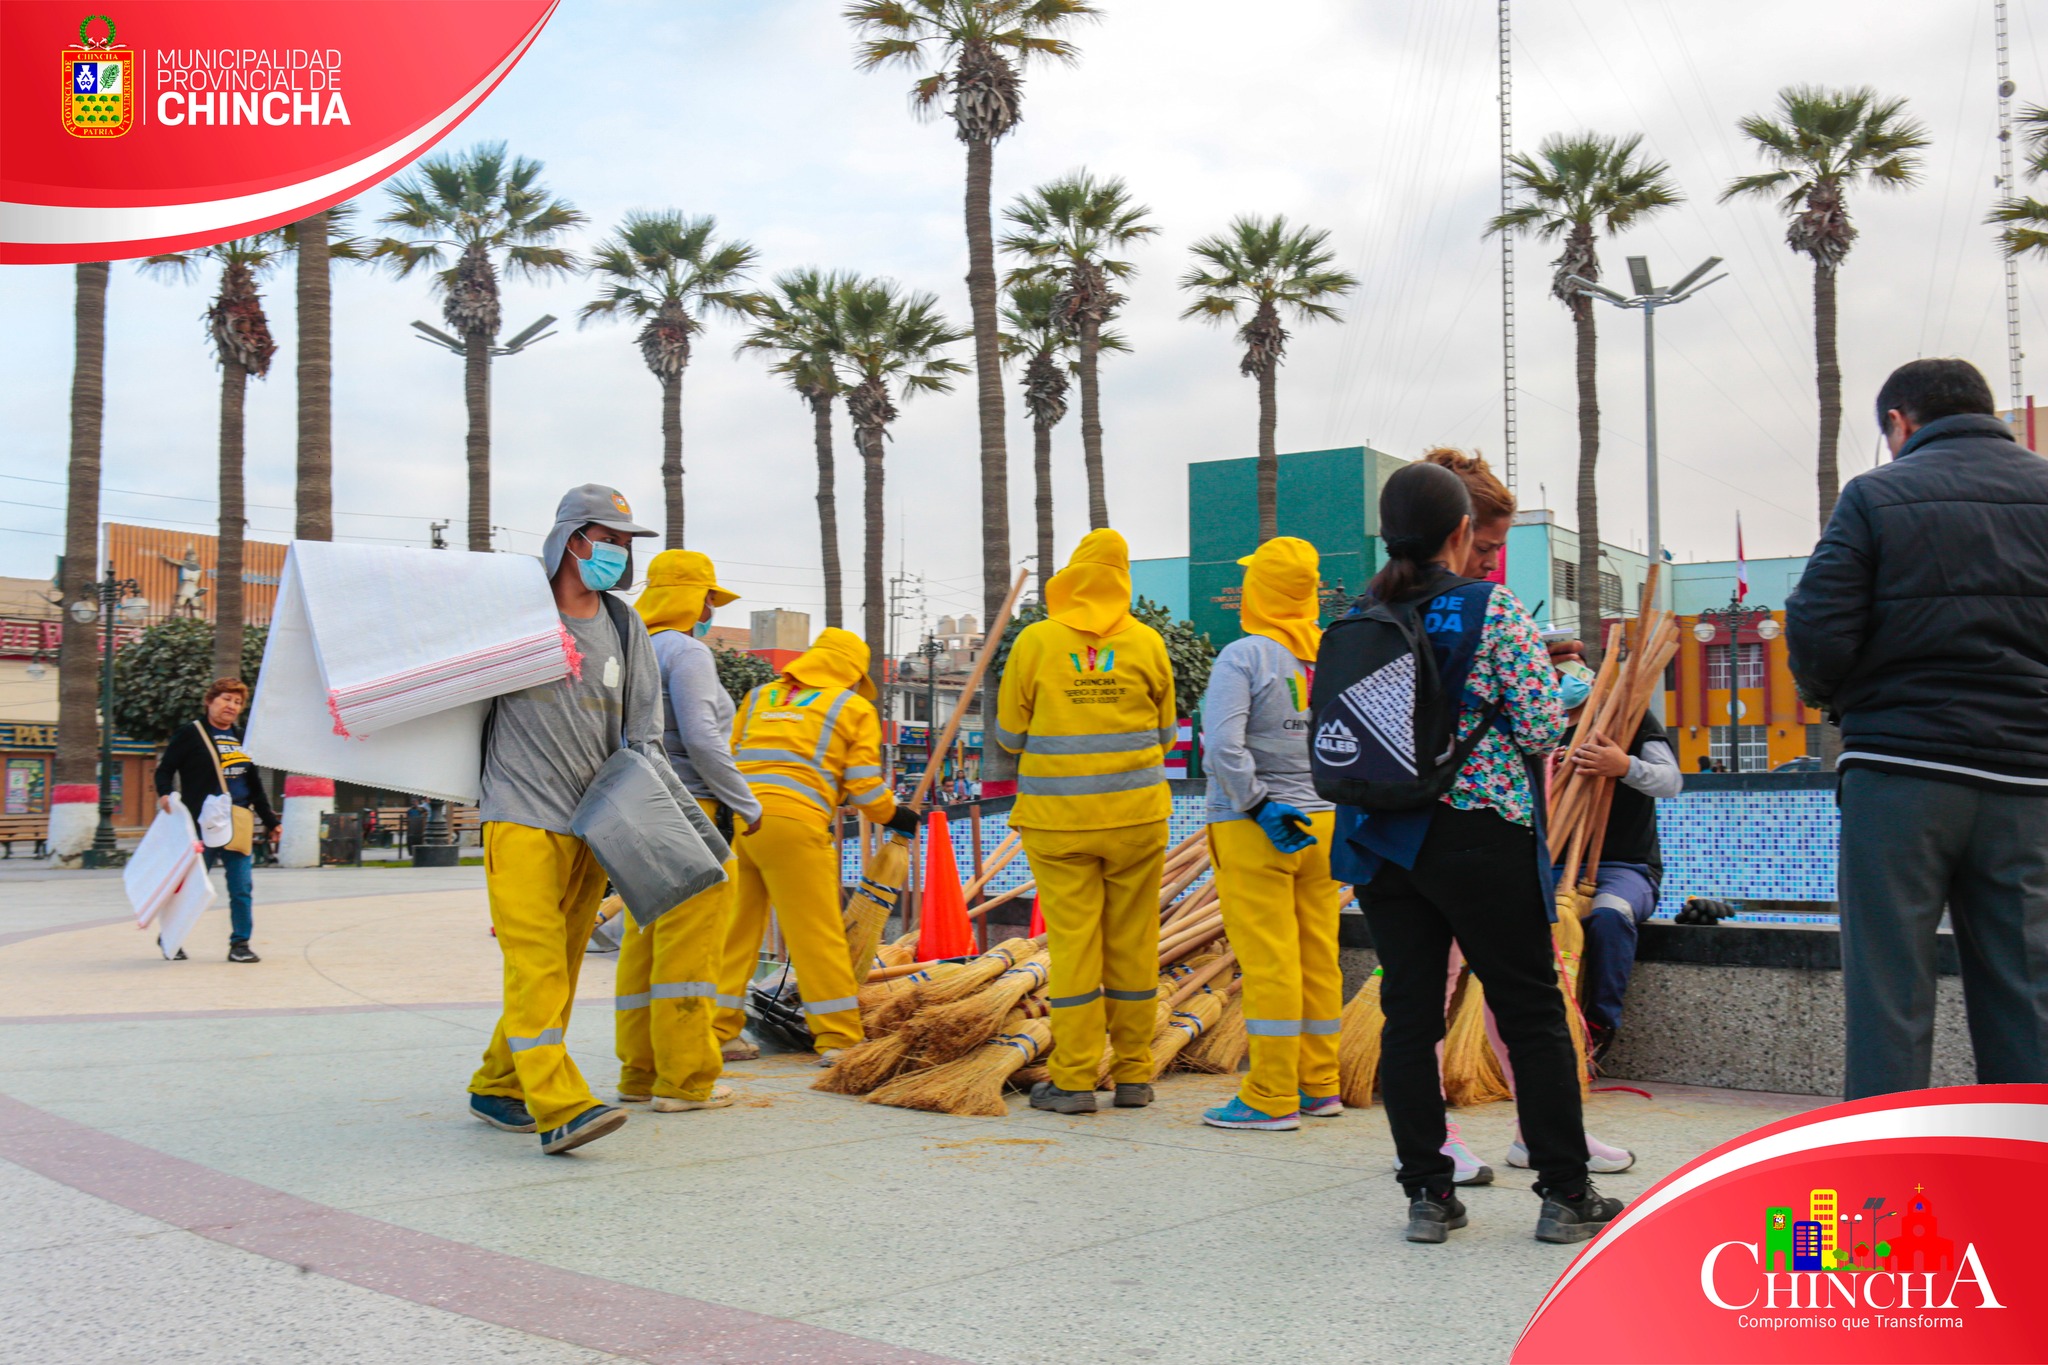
(1269, 839)
(1087, 705)
(667, 972)
(807, 743)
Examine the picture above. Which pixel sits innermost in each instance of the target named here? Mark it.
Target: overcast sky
(1376, 121)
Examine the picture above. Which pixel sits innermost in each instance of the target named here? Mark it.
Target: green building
(1329, 498)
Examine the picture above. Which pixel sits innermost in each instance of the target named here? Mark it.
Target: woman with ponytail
(1470, 867)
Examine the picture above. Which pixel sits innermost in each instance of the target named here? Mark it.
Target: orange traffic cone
(1037, 929)
(944, 930)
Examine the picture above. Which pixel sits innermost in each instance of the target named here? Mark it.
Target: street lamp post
(931, 649)
(1648, 298)
(1734, 618)
(111, 596)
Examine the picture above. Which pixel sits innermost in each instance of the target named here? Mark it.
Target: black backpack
(1384, 733)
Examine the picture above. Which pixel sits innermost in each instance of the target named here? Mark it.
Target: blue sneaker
(1321, 1106)
(1238, 1114)
(588, 1126)
(501, 1111)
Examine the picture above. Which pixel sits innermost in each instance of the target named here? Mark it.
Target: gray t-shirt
(1255, 730)
(697, 724)
(547, 742)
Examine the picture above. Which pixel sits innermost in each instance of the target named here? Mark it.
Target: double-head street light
(1649, 298)
(537, 332)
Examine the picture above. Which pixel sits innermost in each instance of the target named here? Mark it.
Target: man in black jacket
(1921, 626)
(205, 759)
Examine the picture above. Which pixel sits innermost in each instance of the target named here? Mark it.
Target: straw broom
(1195, 984)
(874, 900)
(1358, 1044)
(976, 972)
(953, 1030)
(1187, 1024)
(885, 1005)
(1222, 1048)
(1472, 1074)
(865, 1065)
(972, 1085)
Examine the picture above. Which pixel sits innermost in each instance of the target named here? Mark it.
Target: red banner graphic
(1893, 1229)
(165, 124)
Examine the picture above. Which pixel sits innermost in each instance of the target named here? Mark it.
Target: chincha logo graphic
(99, 96)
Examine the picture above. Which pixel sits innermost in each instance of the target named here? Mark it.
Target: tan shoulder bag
(243, 840)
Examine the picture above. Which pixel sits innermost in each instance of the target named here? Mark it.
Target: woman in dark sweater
(197, 760)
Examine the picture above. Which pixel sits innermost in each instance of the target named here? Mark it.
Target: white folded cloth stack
(166, 878)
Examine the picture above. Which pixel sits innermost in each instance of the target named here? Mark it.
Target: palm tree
(480, 206)
(1065, 230)
(314, 240)
(1575, 188)
(2025, 216)
(1821, 143)
(242, 343)
(976, 49)
(891, 339)
(669, 271)
(799, 324)
(1265, 267)
(78, 650)
(1036, 332)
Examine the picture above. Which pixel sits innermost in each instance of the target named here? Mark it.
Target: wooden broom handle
(989, 643)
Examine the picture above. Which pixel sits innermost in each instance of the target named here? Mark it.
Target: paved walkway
(205, 1162)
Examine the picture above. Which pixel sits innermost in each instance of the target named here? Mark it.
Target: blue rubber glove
(1284, 825)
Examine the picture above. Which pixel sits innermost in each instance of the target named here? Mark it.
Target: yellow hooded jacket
(679, 584)
(1087, 702)
(1282, 595)
(810, 741)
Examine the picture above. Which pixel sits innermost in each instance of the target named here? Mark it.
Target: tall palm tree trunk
(988, 387)
(476, 396)
(315, 496)
(875, 609)
(78, 652)
(227, 574)
(1091, 423)
(672, 456)
(1269, 453)
(1041, 469)
(1589, 488)
(828, 508)
(1828, 377)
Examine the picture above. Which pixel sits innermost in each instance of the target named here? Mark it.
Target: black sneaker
(587, 1126)
(1132, 1095)
(1598, 1040)
(502, 1111)
(1432, 1215)
(1046, 1095)
(238, 951)
(178, 956)
(1575, 1217)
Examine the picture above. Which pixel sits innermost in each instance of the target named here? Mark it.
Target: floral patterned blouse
(1512, 663)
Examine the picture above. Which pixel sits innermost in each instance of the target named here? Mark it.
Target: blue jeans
(241, 890)
(1622, 899)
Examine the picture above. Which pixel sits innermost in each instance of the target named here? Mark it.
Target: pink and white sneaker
(1601, 1159)
(1470, 1169)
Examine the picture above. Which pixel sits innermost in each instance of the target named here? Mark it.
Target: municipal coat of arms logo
(99, 94)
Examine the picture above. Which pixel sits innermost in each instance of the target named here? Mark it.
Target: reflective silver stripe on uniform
(1151, 994)
(1091, 744)
(789, 783)
(863, 770)
(868, 797)
(1273, 1028)
(684, 990)
(1092, 784)
(1322, 1026)
(546, 1038)
(844, 1002)
(1169, 735)
(775, 756)
(1607, 900)
(631, 1002)
(1063, 1002)
(1010, 739)
(831, 722)
(730, 1002)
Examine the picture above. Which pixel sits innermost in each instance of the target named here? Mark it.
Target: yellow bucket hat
(679, 583)
(1093, 593)
(1281, 601)
(837, 658)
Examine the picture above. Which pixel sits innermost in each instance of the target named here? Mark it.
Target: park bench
(25, 829)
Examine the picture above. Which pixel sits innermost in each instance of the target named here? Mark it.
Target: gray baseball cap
(582, 506)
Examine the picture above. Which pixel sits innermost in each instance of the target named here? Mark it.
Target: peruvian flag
(1741, 564)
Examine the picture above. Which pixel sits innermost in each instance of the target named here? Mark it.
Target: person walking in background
(1087, 704)
(667, 972)
(545, 744)
(1921, 627)
(807, 744)
(1269, 837)
(1469, 866)
(205, 759)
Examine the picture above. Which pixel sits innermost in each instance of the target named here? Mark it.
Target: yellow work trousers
(792, 865)
(1280, 910)
(1099, 892)
(666, 992)
(544, 889)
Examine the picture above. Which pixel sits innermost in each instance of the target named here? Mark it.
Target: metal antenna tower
(1507, 254)
(2008, 187)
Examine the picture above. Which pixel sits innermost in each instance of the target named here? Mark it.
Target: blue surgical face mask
(605, 567)
(701, 629)
(1574, 690)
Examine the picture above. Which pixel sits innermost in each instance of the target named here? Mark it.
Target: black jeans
(1475, 881)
